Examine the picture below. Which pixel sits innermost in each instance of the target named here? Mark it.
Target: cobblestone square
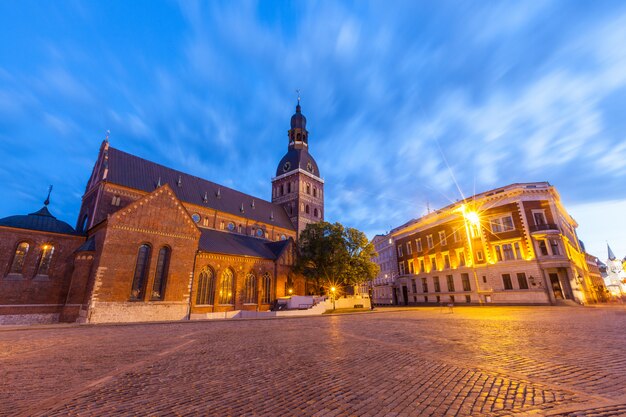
(489, 361)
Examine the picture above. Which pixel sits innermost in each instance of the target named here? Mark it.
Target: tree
(330, 254)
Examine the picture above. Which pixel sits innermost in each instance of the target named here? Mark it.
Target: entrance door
(556, 286)
(405, 295)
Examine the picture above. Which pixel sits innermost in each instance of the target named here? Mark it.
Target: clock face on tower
(309, 167)
(286, 166)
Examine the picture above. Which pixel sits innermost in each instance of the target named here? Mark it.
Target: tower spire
(47, 201)
(611, 254)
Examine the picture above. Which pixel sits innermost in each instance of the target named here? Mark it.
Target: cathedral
(153, 243)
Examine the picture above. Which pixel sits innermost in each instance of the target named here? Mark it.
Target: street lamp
(332, 290)
(473, 219)
(290, 291)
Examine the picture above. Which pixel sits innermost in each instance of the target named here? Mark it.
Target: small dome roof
(297, 158)
(298, 120)
(40, 220)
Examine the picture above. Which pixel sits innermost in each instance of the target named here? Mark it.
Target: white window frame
(409, 248)
(418, 245)
(442, 238)
(400, 251)
(429, 241)
(497, 225)
(543, 214)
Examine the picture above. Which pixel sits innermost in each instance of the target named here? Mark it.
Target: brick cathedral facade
(153, 243)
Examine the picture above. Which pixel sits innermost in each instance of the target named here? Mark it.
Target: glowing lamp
(472, 217)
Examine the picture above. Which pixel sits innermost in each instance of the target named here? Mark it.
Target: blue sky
(503, 91)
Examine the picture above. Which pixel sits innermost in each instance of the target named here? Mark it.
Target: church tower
(298, 187)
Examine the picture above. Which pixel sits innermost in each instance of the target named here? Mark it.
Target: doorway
(405, 295)
(556, 286)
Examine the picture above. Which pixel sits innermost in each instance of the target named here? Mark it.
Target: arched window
(17, 266)
(267, 289)
(141, 272)
(250, 289)
(282, 189)
(315, 212)
(314, 192)
(160, 277)
(306, 209)
(45, 259)
(206, 287)
(288, 187)
(308, 188)
(226, 287)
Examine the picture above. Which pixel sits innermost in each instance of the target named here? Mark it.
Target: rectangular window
(436, 284)
(479, 256)
(442, 238)
(422, 267)
(539, 218)
(506, 280)
(518, 250)
(433, 263)
(418, 245)
(452, 298)
(426, 299)
(438, 299)
(502, 224)
(401, 267)
(456, 236)
(522, 281)
(413, 286)
(411, 270)
(424, 286)
(507, 250)
(429, 241)
(399, 251)
(554, 247)
(446, 261)
(543, 248)
(450, 281)
(409, 248)
(461, 256)
(468, 299)
(498, 252)
(466, 282)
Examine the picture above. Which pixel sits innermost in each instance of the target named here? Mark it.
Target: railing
(540, 227)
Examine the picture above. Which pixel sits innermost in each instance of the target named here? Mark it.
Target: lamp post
(473, 219)
(332, 290)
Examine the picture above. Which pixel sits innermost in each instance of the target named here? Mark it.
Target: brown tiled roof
(138, 173)
(214, 241)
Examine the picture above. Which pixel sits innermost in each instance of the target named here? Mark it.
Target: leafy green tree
(330, 254)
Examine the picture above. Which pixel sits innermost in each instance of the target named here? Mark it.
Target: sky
(405, 100)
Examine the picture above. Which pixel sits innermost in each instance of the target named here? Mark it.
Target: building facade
(383, 288)
(512, 245)
(615, 279)
(154, 243)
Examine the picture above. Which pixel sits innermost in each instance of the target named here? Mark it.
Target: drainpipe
(193, 274)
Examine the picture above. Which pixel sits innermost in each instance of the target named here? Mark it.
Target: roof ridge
(191, 175)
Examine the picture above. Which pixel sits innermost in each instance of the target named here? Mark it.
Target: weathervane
(298, 92)
(107, 135)
(45, 203)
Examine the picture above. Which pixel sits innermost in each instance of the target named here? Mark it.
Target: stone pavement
(477, 361)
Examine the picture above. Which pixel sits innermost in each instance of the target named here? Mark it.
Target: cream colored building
(383, 284)
(512, 245)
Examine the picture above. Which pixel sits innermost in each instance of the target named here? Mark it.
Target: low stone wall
(25, 319)
(101, 312)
